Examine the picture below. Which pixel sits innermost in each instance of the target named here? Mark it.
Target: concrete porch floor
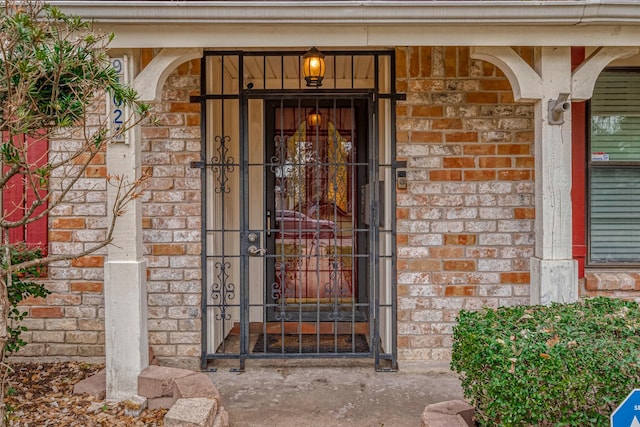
(331, 392)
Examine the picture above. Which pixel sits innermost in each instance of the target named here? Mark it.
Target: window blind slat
(615, 121)
(615, 215)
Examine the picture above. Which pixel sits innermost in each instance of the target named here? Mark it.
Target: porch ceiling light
(313, 67)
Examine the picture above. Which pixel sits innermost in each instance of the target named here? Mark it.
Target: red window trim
(578, 166)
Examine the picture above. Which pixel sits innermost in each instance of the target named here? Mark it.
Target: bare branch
(125, 193)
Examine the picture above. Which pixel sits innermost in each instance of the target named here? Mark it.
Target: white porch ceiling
(290, 68)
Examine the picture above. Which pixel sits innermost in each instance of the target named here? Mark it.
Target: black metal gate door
(294, 220)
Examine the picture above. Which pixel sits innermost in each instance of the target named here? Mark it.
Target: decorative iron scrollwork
(336, 290)
(223, 290)
(222, 165)
(278, 295)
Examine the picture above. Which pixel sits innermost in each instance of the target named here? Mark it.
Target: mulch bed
(41, 394)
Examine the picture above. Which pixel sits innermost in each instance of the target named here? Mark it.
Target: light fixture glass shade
(314, 119)
(313, 67)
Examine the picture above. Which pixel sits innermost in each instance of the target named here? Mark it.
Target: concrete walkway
(332, 393)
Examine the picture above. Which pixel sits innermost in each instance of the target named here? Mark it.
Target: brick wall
(615, 284)
(465, 222)
(70, 321)
(172, 219)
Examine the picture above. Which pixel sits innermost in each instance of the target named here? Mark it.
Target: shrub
(560, 365)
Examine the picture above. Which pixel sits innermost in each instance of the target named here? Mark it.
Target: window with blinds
(614, 169)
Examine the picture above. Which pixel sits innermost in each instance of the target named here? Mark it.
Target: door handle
(268, 222)
(255, 251)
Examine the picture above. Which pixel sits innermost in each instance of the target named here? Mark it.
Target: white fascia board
(281, 24)
(494, 12)
(234, 36)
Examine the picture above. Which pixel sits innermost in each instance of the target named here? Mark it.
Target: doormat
(312, 343)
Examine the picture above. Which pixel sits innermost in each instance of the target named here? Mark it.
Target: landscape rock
(451, 413)
(195, 412)
(433, 419)
(222, 419)
(133, 407)
(197, 385)
(160, 402)
(94, 386)
(157, 381)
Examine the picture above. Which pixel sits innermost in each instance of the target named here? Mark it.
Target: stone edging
(191, 397)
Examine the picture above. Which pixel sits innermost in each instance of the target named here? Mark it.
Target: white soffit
(364, 23)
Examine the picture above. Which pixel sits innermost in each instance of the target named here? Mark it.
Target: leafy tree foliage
(24, 284)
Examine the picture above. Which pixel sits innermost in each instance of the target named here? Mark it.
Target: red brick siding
(171, 224)
(69, 322)
(469, 151)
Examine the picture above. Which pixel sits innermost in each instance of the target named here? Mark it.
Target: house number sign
(115, 107)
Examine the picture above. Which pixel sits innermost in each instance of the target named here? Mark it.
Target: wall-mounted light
(314, 119)
(313, 67)
(557, 108)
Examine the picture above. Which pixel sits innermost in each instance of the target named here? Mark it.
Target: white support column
(125, 290)
(554, 273)
(125, 287)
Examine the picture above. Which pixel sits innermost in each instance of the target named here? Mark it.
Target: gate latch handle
(255, 251)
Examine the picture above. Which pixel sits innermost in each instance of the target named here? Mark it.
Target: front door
(306, 239)
(316, 169)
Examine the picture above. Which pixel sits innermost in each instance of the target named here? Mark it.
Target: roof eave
(469, 12)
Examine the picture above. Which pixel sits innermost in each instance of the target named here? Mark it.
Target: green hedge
(558, 365)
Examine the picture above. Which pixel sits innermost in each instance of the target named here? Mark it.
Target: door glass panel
(314, 182)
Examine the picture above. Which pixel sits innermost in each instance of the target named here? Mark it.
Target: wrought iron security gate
(297, 221)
